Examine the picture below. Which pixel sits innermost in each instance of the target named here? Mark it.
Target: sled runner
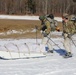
(16, 55)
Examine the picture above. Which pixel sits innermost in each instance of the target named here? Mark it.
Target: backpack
(50, 16)
(53, 23)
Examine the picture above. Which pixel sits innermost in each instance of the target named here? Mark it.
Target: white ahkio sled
(38, 51)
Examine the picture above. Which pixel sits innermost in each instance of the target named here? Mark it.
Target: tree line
(37, 7)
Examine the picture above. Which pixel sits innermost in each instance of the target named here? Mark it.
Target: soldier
(68, 31)
(46, 30)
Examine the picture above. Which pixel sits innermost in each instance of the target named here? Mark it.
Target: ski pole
(73, 42)
(53, 42)
(8, 51)
(36, 34)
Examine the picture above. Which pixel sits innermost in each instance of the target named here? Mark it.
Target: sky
(26, 57)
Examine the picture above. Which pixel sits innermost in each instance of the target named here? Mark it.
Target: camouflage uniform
(68, 31)
(74, 22)
(46, 31)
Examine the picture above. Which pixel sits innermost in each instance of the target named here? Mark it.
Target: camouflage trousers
(47, 41)
(67, 43)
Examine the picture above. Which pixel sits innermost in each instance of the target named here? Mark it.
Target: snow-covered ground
(50, 64)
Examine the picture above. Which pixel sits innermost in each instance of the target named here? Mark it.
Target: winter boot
(67, 55)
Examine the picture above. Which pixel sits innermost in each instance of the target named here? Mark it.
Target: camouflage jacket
(47, 28)
(68, 27)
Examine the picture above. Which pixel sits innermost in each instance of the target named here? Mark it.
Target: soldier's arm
(48, 27)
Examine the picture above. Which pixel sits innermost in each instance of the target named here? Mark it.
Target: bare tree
(38, 7)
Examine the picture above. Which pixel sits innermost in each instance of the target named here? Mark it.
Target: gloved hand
(67, 35)
(44, 33)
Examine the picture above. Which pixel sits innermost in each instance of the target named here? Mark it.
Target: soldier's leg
(67, 45)
(50, 47)
(44, 40)
(49, 43)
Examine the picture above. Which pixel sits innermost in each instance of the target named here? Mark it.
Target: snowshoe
(67, 55)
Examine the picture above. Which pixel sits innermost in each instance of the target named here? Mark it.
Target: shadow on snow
(60, 51)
